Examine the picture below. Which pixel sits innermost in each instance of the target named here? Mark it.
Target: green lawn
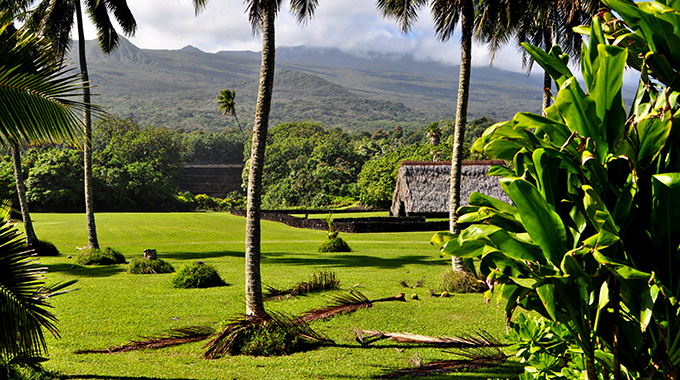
(111, 307)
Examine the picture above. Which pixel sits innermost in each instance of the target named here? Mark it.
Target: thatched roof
(423, 186)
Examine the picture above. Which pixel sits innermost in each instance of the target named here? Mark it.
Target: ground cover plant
(95, 256)
(127, 308)
(142, 265)
(196, 275)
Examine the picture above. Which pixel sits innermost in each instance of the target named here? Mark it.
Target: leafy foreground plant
(271, 335)
(142, 265)
(592, 243)
(94, 256)
(197, 275)
(24, 306)
(318, 282)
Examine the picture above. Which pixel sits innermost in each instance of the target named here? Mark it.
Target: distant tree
(227, 104)
(54, 19)
(261, 14)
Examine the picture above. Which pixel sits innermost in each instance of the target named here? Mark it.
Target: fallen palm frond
(172, 338)
(267, 335)
(345, 304)
(489, 357)
(367, 337)
(318, 282)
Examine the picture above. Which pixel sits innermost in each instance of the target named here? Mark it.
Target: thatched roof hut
(423, 186)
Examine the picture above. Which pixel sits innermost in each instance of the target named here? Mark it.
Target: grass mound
(335, 244)
(44, 248)
(197, 275)
(141, 265)
(269, 335)
(93, 256)
(318, 282)
(462, 282)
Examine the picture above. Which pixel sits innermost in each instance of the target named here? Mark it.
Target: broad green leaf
(597, 211)
(492, 216)
(606, 91)
(547, 169)
(500, 171)
(602, 302)
(647, 306)
(479, 199)
(555, 67)
(540, 220)
(442, 237)
(665, 212)
(653, 132)
(546, 293)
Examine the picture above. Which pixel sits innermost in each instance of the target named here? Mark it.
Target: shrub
(462, 282)
(92, 256)
(45, 248)
(335, 244)
(141, 265)
(197, 275)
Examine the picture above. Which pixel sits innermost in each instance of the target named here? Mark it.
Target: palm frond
(405, 12)
(303, 9)
(491, 358)
(37, 93)
(345, 304)
(173, 337)
(483, 339)
(318, 282)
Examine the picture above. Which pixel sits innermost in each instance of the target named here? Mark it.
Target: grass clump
(44, 248)
(462, 282)
(141, 265)
(197, 275)
(93, 256)
(318, 282)
(268, 335)
(335, 244)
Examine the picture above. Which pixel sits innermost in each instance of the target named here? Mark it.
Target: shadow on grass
(87, 271)
(198, 255)
(508, 370)
(353, 261)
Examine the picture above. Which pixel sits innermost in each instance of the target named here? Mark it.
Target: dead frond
(489, 357)
(267, 335)
(318, 282)
(171, 338)
(344, 304)
(367, 337)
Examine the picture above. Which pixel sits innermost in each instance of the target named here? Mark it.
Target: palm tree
(54, 18)
(37, 106)
(227, 104)
(261, 14)
(446, 15)
(542, 23)
(31, 238)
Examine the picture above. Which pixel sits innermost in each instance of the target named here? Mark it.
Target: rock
(150, 254)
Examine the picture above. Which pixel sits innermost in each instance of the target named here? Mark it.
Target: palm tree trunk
(467, 19)
(87, 148)
(254, 301)
(21, 192)
(547, 82)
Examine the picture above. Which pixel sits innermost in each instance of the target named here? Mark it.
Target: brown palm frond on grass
(241, 331)
(318, 282)
(345, 304)
(483, 339)
(171, 338)
(484, 358)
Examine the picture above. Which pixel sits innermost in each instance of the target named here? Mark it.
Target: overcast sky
(351, 25)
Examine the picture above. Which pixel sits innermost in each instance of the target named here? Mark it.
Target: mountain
(177, 88)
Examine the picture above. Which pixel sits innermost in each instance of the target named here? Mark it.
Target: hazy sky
(351, 25)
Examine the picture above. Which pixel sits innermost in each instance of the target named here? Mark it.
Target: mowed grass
(110, 307)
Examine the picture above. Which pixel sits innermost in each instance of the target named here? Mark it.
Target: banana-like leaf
(539, 218)
(597, 211)
(442, 237)
(653, 132)
(606, 88)
(603, 301)
(551, 63)
(546, 293)
(547, 166)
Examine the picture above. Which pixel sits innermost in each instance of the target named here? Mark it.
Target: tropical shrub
(336, 244)
(94, 256)
(197, 275)
(142, 265)
(591, 243)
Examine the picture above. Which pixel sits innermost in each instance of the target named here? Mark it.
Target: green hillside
(177, 88)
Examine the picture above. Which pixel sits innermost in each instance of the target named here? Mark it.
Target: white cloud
(350, 25)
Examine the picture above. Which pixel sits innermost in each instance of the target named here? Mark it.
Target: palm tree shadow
(352, 261)
(86, 271)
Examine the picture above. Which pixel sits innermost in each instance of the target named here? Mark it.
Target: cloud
(350, 25)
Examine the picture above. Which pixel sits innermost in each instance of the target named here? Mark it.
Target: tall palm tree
(446, 14)
(37, 106)
(262, 14)
(54, 18)
(227, 104)
(542, 23)
(31, 238)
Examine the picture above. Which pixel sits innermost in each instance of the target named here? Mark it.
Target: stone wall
(213, 180)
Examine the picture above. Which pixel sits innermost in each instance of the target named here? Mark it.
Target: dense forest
(307, 165)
